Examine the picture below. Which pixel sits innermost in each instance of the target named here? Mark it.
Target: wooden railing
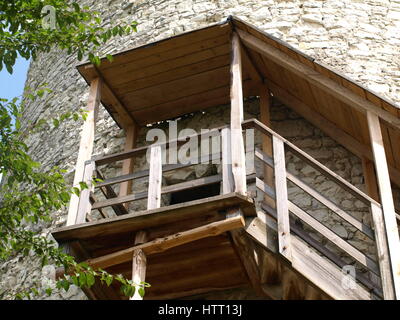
(89, 202)
(286, 226)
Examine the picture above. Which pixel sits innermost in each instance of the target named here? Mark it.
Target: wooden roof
(190, 72)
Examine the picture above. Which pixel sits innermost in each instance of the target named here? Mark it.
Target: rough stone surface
(357, 38)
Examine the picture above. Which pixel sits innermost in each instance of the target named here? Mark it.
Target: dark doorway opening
(195, 193)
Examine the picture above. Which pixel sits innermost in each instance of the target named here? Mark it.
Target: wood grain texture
(162, 244)
(385, 190)
(237, 144)
(281, 198)
(85, 146)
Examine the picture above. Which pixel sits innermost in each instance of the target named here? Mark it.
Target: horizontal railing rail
(379, 266)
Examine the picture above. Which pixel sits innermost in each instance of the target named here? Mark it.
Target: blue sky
(12, 85)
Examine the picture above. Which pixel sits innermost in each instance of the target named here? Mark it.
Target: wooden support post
(127, 165)
(155, 178)
(85, 205)
(237, 144)
(228, 184)
(265, 109)
(383, 253)
(370, 178)
(153, 202)
(281, 198)
(385, 190)
(241, 244)
(85, 147)
(138, 264)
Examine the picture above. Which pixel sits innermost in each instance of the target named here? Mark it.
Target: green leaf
(76, 191)
(90, 279)
(82, 279)
(141, 291)
(83, 185)
(49, 291)
(110, 57)
(75, 280)
(9, 68)
(109, 280)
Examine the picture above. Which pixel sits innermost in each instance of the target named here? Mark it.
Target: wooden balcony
(237, 238)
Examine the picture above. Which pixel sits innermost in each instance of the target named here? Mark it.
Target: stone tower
(357, 38)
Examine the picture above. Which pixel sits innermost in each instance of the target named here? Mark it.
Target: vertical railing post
(383, 253)
(155, 178)
(265, 110)
(237, 145)
(228, 184)
(385, 191)
(85, 206)
(127, 164)
(281, 198)
(85, 147)
(153, 201)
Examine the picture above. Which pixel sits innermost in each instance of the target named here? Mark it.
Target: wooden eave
(190, 72)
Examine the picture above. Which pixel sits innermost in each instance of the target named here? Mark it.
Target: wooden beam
(228, 183)
(383, 253)
(85, 147)
(165, 243)
(265, 118)
(102, 160)
(139, 264)
(246, 254)
(318, 270)
(167, 189)
(237, 144)
(385, 190)
(124, 118)
(317, 245)
(153, 202)
(281, 198)
(155, 178)
(370, 178)
(255, 75)
(331, 206)
(127, 164)
(241, 244)
(315, 78)
(333, 237)
(328, 127)
(166, 168)
(110, 195)
(85, 205)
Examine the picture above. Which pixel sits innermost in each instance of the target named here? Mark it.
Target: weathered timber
(389, 215)
(237, 144)
(281, 198)
(85, 146)
(162, 244)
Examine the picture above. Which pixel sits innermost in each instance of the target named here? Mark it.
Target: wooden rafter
(343, 94)
(165, 243)
(328, 127)
(123, 116)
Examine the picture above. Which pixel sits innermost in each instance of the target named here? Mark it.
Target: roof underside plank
(190, 72)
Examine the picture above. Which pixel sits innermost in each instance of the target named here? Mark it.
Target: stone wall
(357, 38)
